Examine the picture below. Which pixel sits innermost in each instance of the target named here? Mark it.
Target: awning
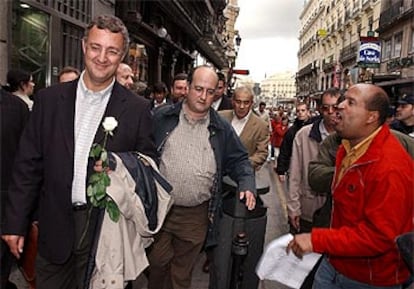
(406, 80)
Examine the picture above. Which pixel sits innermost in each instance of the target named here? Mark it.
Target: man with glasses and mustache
(301, 201)
(53, 164)
(197, 148)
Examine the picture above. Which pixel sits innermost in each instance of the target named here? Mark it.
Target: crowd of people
(347, 173)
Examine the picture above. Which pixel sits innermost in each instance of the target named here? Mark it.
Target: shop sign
(369, 52)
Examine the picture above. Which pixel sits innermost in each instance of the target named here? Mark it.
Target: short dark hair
(262, 103)
(333, 92)
(113, 24)
(179, 76)
(160, 87)
(16, 78)
(221, 77)
(302, 103)
(380, 102)
(68, 69)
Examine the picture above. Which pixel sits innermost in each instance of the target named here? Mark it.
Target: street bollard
(239, 250)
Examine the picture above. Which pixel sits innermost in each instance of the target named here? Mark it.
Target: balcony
(367, 5)
(399, 63)
(348, 17)
(305, 71)
(356, 13)
(396, 12)
(349, 53)
(327, 67)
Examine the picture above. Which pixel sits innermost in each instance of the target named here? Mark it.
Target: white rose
(109, 123)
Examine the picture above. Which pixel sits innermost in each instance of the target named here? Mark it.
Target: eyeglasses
(109, 52)
(200, 89)
(327, 107)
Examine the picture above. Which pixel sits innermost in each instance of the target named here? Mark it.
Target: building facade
(333, 37)
(278, 89)
(330, 36)
(396, 30)
(167, 37)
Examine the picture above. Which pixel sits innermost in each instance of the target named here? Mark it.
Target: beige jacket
(121, 254)
(254, 136)
(301, 201)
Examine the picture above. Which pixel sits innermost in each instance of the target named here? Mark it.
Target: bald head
(362, 112)
(124, 75)
(376, 99)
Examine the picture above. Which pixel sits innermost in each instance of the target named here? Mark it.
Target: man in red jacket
(372, 200)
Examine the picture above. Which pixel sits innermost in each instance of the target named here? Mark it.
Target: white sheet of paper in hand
(287, 269)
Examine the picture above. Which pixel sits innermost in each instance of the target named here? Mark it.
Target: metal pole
(239, 251)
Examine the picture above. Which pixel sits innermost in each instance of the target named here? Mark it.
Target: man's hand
(295, 222)
(16, 244)
(250, 199)
(98, 166)
(300, 245)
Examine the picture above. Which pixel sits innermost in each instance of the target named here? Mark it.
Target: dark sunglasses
(326, 107)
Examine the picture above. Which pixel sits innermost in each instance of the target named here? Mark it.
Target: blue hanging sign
(369, 52)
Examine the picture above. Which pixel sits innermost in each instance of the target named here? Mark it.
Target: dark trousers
(7, 260)
(176, 247)
(71, 274)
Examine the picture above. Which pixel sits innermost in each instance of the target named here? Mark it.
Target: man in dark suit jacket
(46, 165)
(221, 101)
(14, 114)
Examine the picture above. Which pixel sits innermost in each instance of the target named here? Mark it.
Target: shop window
(138, 60)
(72, 45)
(30, 43)
(397, 45)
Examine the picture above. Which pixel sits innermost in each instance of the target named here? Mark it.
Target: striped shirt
(89, 110)
(188, 161)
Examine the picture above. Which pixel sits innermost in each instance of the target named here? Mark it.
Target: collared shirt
(89, 110)
(354, 153)
(188, 161)
(25, 98)
(239, 123)
(156, 104)
(217, 103)
(323, 130)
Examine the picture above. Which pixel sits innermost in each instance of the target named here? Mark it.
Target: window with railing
(386, 53)
(80, 10)
(396, 52)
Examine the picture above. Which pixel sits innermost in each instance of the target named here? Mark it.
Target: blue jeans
(328, 278)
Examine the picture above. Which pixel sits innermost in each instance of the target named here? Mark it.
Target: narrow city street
(275, 202)
(276, 226)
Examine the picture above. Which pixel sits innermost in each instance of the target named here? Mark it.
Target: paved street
(276, 226)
